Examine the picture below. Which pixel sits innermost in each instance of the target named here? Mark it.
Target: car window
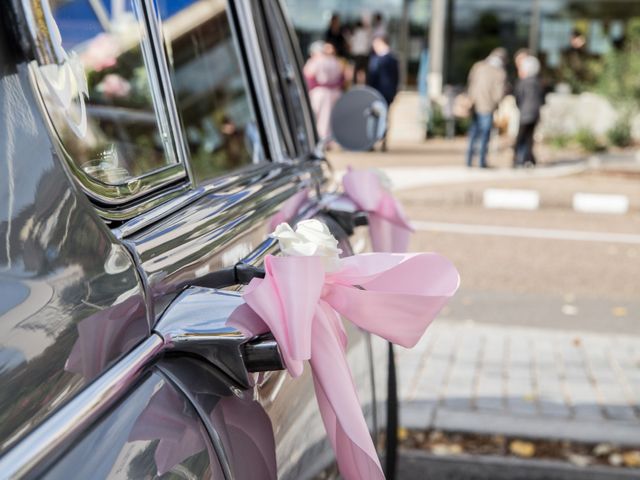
(291, 81)
(210, 88)
(275, 81)
(98, 93)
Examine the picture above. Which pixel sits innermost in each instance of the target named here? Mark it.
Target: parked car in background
(147, 150)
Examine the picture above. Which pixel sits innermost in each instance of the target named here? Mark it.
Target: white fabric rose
(310, 238)
(385, 181)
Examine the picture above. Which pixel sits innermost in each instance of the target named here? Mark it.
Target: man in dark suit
(384, 73)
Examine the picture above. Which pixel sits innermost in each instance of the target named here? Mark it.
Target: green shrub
(463, 125)
(588, 140)
(437, 123)
(437, 126)
(560, 141)
(620, 134)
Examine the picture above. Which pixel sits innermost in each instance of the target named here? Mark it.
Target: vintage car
(147, 150)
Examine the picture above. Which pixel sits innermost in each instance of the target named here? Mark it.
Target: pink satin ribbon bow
(389, 227)
(395, 296)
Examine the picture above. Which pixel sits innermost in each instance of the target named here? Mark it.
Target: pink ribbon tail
(338, 401)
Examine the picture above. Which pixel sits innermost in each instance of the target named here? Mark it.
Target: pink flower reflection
(114, 86)
(101, 53)
(181, 435)
(104, 336)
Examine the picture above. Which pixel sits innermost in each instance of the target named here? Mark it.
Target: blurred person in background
(335, 35)
(325, 78)
(384, 73)
(360, 43)
(486, 88)
(529, 98)
(520, 55)
(378, 26)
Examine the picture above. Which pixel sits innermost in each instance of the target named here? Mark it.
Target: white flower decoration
(310, 238)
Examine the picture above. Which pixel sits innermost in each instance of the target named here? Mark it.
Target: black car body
(120, 201)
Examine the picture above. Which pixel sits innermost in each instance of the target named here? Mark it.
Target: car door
(82, 394)
(185, 157)
(233, 226)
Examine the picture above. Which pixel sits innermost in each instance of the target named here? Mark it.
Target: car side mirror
(359, 119)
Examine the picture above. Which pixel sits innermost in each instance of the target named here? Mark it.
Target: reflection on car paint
(153, 433)
(179, 436)
(106, 335)
(240, 423)
(52, 270)
(248, 436)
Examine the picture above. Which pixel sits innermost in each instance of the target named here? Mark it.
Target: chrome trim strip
(128, 212)
(44, 443)
(152, 60)
(259, 75)
(36, 13)
(221, 184)
(166, 93)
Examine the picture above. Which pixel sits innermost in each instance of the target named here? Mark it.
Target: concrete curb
(423, 416)
(531, 200)
(416, 464)
(510, 199)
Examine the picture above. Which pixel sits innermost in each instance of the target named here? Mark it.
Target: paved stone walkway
(523, 382)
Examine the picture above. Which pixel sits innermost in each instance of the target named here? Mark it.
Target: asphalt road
(512, 274)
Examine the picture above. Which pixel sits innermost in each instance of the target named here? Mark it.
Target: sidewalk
(522, 382)
(413, 164)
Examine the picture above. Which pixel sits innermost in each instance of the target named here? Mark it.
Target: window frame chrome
(251, 47)
(44, 52)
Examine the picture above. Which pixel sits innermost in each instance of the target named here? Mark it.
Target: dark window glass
(209, 85)
(287, 68)
(99, 96)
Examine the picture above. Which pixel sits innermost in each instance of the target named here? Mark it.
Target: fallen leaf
(455, 449)
(619, 312)
(440, 449)
(522, 448)
(631, 459)
(602, 449)
(615, 459)
(579, 460)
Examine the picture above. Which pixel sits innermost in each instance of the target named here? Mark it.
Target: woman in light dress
(325, 78)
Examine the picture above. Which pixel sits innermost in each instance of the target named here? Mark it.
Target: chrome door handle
(196, 324)
(262, 354)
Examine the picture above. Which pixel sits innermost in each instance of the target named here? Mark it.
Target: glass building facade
(475, 27)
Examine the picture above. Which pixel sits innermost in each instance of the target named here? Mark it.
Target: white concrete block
(599, 203)
(511, 199)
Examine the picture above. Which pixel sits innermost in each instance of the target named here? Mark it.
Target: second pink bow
(389, 227)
